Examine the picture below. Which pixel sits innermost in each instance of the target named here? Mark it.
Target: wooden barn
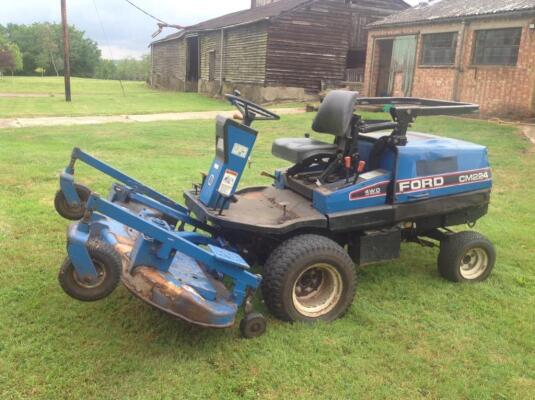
(277, 49)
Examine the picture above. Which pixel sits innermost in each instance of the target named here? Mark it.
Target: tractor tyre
(466, 257)
(72, 213)
(108, 264)
(309, 278)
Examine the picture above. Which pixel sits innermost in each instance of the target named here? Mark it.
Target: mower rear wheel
(466, 257)
(253, 325)
(108, 264)
(309, 278)
(67, 211)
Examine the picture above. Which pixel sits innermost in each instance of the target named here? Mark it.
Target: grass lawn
(409, 334)
(95, 97)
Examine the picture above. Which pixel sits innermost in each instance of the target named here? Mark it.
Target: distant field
(408, 335)
(94, 97)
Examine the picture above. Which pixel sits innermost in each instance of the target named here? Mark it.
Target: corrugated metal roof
(456, 9)
(240, 18)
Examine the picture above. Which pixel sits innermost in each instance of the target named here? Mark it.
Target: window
(439, 49)
(211, 65)
(497, 46)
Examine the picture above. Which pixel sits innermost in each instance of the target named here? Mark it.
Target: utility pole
(67, 64)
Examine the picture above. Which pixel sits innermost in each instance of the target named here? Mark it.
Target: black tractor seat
(300, 149)
(334, 118)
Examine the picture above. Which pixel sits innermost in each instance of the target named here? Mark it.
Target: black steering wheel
(249, 110)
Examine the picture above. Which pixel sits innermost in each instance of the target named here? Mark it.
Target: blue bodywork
(426, 167)
(234, 144)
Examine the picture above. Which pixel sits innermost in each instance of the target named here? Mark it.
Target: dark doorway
(355, 63)
(397, 58)
(193, 64)
(383, 68)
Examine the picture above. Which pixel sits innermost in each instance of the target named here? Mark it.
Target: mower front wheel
(466, 257)
(67, 211)
(309, 278)
(253, 325)
(108, 264)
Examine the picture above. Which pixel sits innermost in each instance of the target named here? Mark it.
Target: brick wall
(499, 90)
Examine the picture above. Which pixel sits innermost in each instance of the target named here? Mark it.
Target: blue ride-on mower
(344, 202)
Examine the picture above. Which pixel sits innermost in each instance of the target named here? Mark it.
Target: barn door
(192, 64)
(402, 66)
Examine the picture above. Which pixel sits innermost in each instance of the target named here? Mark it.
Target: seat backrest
(336, 113)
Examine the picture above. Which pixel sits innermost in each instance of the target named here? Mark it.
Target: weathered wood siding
(309, 45)
(210, 41)
(169, 64)
(363, 13)
(245, 53)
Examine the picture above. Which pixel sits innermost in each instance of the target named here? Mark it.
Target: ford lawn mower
(344, 202)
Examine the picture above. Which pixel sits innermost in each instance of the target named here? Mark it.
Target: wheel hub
(317, 290)
(474, 263)
(89, 283)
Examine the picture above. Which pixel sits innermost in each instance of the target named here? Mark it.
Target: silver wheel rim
(474, 263)
(101, 273)
(317, 290)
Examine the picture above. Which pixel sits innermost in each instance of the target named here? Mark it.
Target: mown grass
(409, 334)
(95, 97)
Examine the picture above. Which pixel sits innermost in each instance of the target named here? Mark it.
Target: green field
(409, 334)
(94, 97)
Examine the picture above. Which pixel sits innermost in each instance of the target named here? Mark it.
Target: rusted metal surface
(165, 290)
(271, 207)
(180, 301)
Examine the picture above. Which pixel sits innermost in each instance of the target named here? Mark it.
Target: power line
(161, 24)
(107, 42)
(146, 12)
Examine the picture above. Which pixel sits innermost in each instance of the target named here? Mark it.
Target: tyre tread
(451, 247)
(286, 255)
(113, 258)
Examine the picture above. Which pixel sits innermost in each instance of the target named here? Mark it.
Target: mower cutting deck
(351, 201)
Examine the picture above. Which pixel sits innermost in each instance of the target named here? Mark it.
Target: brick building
(277, 49)
(480, 51)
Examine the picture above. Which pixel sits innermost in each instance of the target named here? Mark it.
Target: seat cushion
(297, 150)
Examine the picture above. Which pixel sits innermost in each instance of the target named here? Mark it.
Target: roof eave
(507, 14)
(231, 26)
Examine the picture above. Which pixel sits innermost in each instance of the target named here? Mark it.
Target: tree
(106, 69)
(17, 57)
(132, 69)
(41, 45)
(10, 56)
(127, 69)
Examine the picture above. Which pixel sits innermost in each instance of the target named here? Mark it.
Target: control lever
(360, 169)
(232, 199)
(348, 160)
(203, 178)
(267, 175)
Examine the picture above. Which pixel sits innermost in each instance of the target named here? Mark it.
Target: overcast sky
(127, 29)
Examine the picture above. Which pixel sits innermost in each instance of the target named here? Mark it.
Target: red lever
(361, 167)
(347, 162)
